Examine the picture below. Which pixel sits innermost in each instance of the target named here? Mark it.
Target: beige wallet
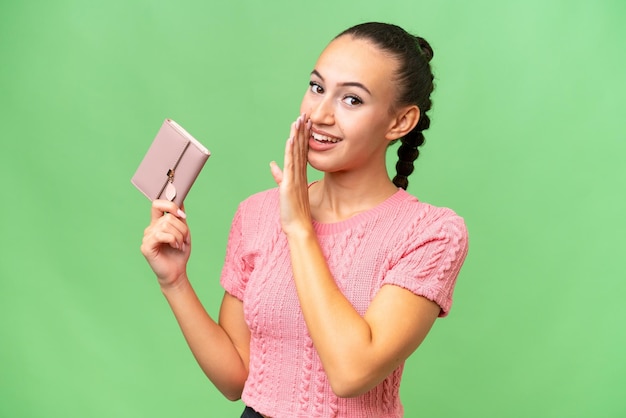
(171, 165)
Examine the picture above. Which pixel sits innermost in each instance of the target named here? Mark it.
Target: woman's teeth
(324, 138)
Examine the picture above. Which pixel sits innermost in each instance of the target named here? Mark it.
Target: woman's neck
(336, 197)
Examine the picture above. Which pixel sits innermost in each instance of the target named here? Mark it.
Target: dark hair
(415, 81)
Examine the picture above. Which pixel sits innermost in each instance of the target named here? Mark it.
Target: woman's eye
(316, 88)
(352, 100)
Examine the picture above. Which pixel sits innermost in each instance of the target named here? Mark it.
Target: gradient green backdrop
(527, 143)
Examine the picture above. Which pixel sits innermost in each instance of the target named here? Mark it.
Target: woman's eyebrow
(347, 83)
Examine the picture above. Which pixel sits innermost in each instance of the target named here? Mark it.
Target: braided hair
(415, 82)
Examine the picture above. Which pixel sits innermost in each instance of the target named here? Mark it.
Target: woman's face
(350, 102)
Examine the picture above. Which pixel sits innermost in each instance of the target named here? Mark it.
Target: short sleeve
(430, 260)
(236, 270)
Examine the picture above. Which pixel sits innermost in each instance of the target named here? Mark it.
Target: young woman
(330, 286)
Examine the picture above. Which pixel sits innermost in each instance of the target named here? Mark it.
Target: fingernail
(309, 124)
(298, 121)
(181, 214)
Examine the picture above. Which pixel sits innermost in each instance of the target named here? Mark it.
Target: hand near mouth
(295, 210)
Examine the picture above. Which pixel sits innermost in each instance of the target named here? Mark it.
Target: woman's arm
(357, 352)
(221, 349)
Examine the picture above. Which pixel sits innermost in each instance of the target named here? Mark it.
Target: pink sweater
(402, 242)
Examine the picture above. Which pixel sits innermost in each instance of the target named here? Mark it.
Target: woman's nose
(322, 112)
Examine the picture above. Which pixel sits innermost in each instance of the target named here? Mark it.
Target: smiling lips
(324, 138)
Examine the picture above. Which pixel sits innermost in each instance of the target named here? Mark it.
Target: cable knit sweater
(401, 242)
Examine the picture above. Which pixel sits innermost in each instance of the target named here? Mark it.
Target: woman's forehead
(350, 59)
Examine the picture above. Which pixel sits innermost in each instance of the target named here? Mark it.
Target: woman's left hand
(295, 210)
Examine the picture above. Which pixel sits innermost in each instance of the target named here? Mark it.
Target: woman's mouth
(324, 138)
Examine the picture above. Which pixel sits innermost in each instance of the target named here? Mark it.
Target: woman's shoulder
(423, 216)
(262, 198)
(259, 207)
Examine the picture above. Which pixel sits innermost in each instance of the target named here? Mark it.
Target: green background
(527, 144)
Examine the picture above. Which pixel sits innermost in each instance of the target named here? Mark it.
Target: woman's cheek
(306, 107)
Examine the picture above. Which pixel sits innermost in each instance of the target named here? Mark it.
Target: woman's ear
(404, 122)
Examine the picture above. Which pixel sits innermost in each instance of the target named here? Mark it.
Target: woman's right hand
(167, 243)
